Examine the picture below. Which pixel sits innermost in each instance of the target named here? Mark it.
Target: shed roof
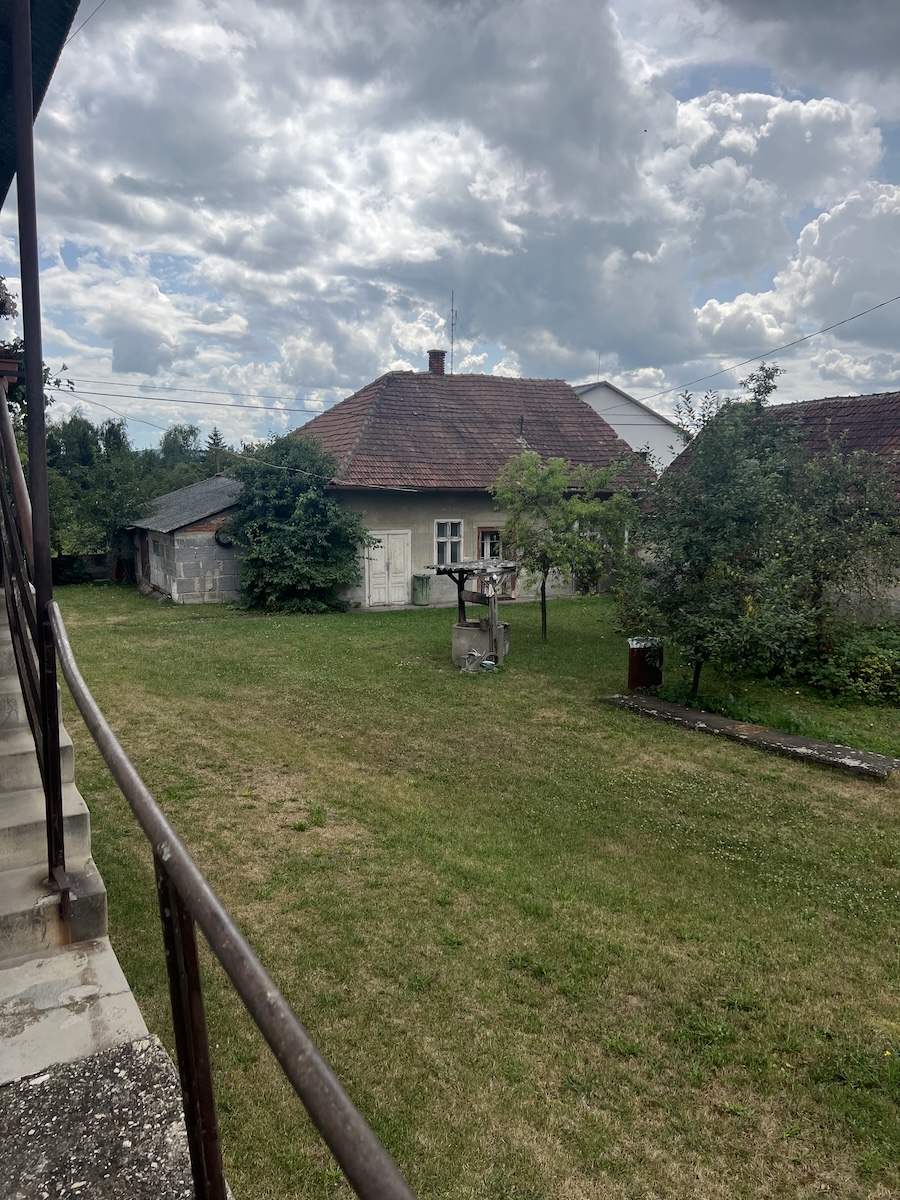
(456, 432)
(189, 504)
(870, 423)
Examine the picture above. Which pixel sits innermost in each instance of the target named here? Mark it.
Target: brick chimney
(436, 361)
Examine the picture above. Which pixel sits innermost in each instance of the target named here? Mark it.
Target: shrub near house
(299, 545)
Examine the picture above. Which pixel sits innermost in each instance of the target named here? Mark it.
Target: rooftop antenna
(452, 331)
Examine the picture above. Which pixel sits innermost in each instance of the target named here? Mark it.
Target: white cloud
(280, 202)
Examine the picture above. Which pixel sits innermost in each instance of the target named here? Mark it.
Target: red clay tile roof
(411, 430)
(870, 423)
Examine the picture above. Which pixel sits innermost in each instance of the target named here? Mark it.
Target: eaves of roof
(51, 21)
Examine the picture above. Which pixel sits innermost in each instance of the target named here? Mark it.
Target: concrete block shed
(180, 548)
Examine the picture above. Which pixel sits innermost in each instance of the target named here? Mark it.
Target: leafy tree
(180, 457)
(750, 544)
(299, 544)
(558, 519)
(96, 483)
(7, 301)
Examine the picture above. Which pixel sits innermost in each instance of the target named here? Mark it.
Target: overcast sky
(276, 199)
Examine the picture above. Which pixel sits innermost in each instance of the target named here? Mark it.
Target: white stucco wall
(635, 423)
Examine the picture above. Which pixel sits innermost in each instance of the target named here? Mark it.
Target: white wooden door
(388, 569)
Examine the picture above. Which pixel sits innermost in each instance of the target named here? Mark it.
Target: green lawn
(552, 949)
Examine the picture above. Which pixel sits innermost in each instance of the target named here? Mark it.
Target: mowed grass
(552, 949)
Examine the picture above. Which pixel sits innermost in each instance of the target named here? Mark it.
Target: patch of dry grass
(551, 949)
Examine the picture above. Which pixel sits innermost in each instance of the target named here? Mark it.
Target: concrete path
(843, 758)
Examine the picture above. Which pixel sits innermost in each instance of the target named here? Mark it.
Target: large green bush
(750, 545)
(300, 545)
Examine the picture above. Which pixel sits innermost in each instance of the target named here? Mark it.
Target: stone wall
(205, 572)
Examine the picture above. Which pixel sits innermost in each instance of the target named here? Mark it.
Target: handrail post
(191, 1040)
(23, 103)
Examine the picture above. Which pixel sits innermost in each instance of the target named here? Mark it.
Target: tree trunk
(695, 682)
(544, 609)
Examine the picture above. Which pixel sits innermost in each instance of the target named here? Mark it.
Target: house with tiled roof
(417, 451)
(870, 423)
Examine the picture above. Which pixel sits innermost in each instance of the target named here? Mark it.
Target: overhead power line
(83, 23)
(260, 408)
(768, 353)
(235, 454)
(211, 391)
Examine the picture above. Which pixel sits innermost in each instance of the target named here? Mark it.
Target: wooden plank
(475, 598)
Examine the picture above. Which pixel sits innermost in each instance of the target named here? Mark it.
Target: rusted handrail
(16, 474)
(367, 1165)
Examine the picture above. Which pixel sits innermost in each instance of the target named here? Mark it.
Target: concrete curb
(842, 758)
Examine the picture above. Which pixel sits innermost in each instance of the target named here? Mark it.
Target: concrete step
(30, 920)
(108, 1127)
(13, 713)
(12, 707)
(18, 761)
(64, 1004)
(23, 833)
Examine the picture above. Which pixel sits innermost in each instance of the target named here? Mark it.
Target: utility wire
(83, 23)
(768, 353)
(260, 408)
(231, 453)
(211, 391)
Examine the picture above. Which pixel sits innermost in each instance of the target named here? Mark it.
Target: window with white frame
(447, 542)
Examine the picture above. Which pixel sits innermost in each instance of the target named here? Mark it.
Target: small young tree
(299, 544)
(558, 519)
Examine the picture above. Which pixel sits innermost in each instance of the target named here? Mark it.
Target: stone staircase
(30, 920)
(70, 1029)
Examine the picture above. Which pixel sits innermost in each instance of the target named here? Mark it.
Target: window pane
(441, 553)
(455, 527)
(454, 552)
(442, 529)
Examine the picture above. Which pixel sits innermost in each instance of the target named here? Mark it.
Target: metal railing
(36, 671)
(185, 897)
(186, 900)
